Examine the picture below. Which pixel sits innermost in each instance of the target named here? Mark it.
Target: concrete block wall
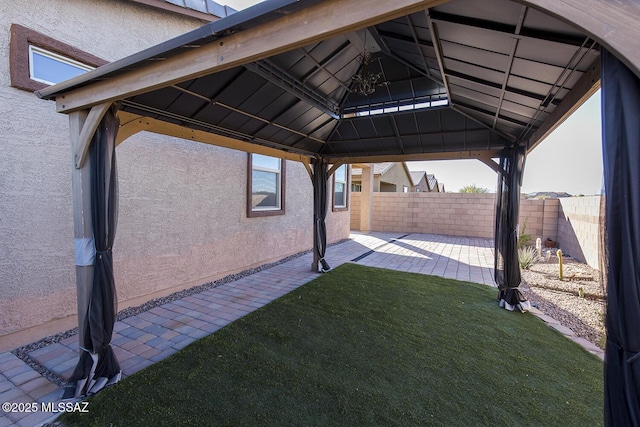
(579, 228)
(550, 221)
(572, 222)
(438, 213)
(539, 218)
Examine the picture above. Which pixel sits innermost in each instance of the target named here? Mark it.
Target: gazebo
(334, 82)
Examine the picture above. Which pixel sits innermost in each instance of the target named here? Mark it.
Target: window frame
(36, 50)
(254, 213)
(347, 175)
(19, 64)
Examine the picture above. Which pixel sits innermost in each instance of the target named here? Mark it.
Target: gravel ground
(577, 301)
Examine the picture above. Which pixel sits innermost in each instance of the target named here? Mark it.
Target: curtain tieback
(631, 356)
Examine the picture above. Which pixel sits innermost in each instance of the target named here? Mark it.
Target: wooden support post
(366, 198)
(89, 126)
(82, 223)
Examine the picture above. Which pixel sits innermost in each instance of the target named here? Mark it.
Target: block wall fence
(572, 222)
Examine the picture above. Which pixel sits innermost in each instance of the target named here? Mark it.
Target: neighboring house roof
(430, 179)
(416, 176)
(433, 182)
(207, 10)
(378, 168)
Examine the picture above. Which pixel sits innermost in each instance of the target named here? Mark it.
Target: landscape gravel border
(23, 352)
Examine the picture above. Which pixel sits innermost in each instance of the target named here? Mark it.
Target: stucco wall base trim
(17, 339)
(30, 335)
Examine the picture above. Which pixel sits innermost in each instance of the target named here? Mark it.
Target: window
(429, 101)
(51, 68)
(265, 190)
(37, 61)
(340, 189)
(405, 189)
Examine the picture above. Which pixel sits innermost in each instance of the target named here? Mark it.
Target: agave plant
(527, 256)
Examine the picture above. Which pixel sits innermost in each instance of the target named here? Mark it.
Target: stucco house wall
(397, 175)
(182, 217)
(388, 177)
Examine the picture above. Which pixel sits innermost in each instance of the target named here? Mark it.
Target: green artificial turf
(361, 346)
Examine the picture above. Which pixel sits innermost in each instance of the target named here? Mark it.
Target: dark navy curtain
(506, 267)
(98, 365)
(621, 157)
(320, 177)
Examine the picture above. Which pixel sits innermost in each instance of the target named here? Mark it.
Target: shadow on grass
(367, 346)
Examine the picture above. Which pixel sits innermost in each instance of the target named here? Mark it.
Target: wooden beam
(435, 39)
(588, 84)
(307, 164)
(88, 130)
(157, 126)
(613, 24)
(488, 160)
(317, 22)
(457, 155)
(335, 165)
(130, 126)
(82, 222)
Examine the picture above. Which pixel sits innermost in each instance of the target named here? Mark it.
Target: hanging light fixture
(365, 82)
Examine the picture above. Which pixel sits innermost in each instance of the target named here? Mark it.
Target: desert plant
(524, 239)
(473, 189)
(527, 256)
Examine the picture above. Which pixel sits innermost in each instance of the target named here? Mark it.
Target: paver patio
(153, 335)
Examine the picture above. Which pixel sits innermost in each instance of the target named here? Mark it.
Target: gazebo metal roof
(459, 79)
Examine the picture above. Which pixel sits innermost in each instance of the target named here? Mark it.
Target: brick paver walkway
(153, 335)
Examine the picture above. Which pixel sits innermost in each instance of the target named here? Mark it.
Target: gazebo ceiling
(462, 77)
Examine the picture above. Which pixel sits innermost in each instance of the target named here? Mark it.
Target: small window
(266, 186)
(340, 188)
(37, 61)
(405, 189)
(50, 68)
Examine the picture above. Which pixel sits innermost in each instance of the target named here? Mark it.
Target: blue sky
(570, 159)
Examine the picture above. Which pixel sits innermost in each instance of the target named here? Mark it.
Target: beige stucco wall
(188, 224)
(355, 211)
(396, 175)
(182, 205)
